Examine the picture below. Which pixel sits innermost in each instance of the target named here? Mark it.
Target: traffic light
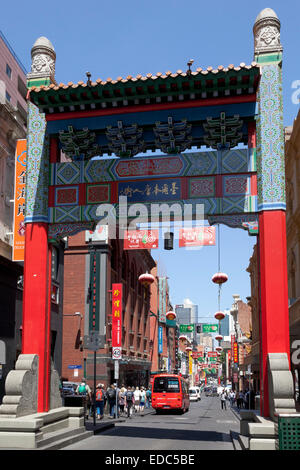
(198, 328)
(169, 237)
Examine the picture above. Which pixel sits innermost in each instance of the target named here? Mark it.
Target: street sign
(117, 353)
(186, 328)
(210, 328)
(93, 341)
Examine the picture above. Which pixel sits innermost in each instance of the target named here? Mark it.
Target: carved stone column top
(43, 58)
(266, 32)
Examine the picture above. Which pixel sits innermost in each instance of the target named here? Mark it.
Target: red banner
(197, 236)
(212, 354)
(141, 239)
(232, 342)
(235, 353)
(117, 316)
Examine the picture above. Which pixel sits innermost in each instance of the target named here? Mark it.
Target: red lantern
(146, 279)
(219, 315)
(188, 348)
(219, 348)
(219, 278)
(219, 337)
(183, 337)
(170, 315)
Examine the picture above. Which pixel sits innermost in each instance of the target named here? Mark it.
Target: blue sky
(120, 38)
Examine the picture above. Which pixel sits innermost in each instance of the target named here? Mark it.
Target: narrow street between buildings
(204, 427)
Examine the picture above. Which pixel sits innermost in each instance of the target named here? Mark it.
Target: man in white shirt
(137, 397)
(223, 400)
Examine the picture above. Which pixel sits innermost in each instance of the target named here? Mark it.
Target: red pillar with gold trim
(36, 305)
(274, 315)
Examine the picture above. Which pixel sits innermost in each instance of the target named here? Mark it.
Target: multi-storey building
(292, 170)
(162, 332)
(12, 127)
(187, 313)
(114, 265)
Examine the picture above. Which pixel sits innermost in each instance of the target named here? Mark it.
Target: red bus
(170, 392)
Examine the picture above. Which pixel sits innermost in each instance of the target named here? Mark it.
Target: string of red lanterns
(219, 278)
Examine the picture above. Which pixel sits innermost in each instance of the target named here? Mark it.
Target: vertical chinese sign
(116, 321)
(19, 199)
(160, 340)
(190, 363)
(162, 299)
(235, 353)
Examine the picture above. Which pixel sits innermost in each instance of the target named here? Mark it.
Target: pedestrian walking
(85, 392)
(142, 400)
(148, 397)
(129, 395)
(122, 400)
(238, 400)
(242, 398)
(232, 398)
(100, 401)
(223, 399)
(137, 396)
(111, 399)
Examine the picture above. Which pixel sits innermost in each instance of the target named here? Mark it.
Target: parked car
(193, 394)
(69, 388)
(211, 391)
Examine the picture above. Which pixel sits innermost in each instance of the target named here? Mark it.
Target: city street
(139, 260)
(204, 427)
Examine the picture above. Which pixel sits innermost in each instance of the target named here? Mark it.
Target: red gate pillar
(274, 316)
(37, 263)
(36, 305)
(274, 294)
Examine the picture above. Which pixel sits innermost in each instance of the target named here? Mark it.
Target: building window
(7, 96)
(22, 88)
(8, 71)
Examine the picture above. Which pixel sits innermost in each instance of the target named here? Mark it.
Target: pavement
(107, 422)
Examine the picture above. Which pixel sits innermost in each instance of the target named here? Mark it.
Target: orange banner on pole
(19, 200)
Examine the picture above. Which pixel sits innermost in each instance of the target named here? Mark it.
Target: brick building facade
(166, 359)
(116, 266)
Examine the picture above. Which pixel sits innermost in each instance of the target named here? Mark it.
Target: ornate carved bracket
(223, 131)
(125, 141)
(173, 137)
(79, 143)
